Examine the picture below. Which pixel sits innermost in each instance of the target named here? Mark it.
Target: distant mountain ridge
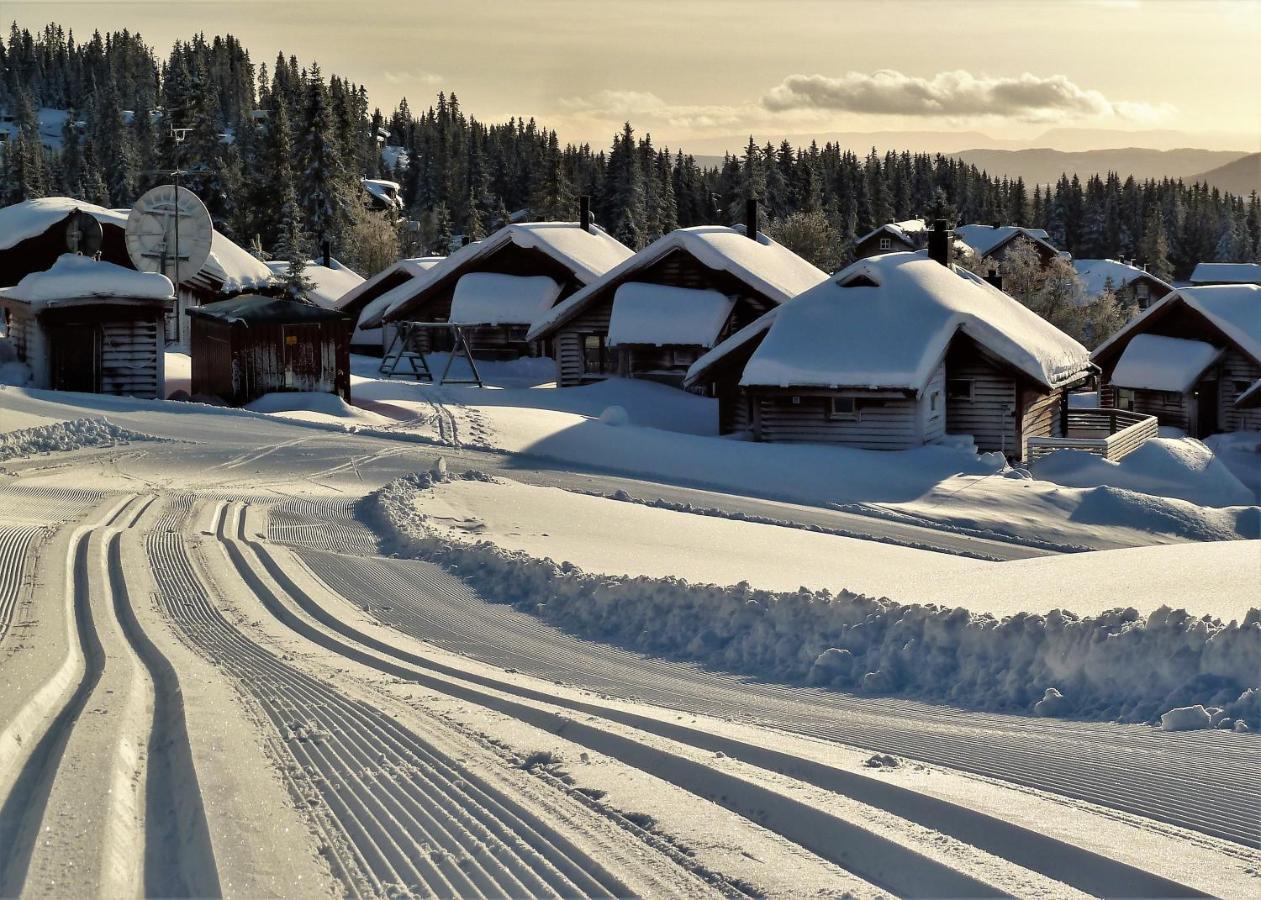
(1241, 177)
(1044, 166)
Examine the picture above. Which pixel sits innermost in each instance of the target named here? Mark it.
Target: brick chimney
(750, 218)
(940, 242)
(584, 212)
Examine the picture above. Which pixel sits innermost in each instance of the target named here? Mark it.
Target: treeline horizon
(277, 151)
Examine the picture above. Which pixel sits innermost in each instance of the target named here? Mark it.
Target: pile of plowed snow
(1118, 664)
(73, 435)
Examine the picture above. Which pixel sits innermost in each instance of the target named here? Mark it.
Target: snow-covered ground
(205, 625)
(601, 535)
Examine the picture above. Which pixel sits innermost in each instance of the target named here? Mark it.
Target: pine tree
(624, 191)
(322, 183)
(293, 246)
(1153, 247)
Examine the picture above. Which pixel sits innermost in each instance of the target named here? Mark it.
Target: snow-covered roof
(74, 277)
(1095, 274)
(754, 331)
(667, 316)
(331, 282)
(902, 231)
(587, 253)
(486, 298)
(886, 323)
(228, 266)
(409, 267)
(1227, 273)
(385, 191)
(985, 238)
(1154, 362)
(396, 295)
(1234, 309)
(769, 268)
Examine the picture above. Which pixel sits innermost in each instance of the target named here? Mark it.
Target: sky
(705, 74)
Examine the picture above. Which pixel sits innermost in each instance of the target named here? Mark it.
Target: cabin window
(845, 409)
(933, 399)
(959, 389)
(1125, 399)
(1171, 397)
(1241, 386)
(594, 353)
(886, 244)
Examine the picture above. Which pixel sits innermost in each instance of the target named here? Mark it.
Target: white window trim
(851, 416)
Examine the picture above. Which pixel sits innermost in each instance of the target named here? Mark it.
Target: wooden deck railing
(1110, 433)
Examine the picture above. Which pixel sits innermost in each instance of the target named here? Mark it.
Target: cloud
(643, 105)
(957, 94)
(417, 76)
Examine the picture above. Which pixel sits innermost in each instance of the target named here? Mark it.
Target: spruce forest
(277, 151)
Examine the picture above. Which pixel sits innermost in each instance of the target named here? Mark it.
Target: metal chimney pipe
(584, 212)
(750, 218)
(940, 241)
(326, 248)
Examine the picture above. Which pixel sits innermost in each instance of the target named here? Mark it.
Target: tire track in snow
(1203, 782)
(15, 547)
(22, 813)
(868, 856)
(404, 816)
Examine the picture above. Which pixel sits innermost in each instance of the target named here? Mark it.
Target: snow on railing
(1111, 433)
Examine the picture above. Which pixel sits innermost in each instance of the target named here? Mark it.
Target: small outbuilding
(894, 352)
(991, 243)
(892, 237)
(652, 316)
(1128, 281)
(251, 345)
(90, 326)
(1192, 360)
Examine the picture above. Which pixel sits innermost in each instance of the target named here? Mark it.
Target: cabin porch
(1110, 433)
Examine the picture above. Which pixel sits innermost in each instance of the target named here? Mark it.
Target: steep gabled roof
(1227, 273)
(1233, 309)
(985, 239)
(330, 282)
(900, 231)
(407, 269)
(1095, 273)
(587, 254)
(768, 268)
(886, 322)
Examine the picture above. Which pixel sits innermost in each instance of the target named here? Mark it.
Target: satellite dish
(83, 233)
(169, 231)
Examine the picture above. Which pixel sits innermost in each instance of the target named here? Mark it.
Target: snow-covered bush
(1118, 664)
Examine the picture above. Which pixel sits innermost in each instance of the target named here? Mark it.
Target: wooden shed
(894, 352)
(502, 308)
(251, 345)
(652, 316)
(992, 242)
(90, 326)
(1189, 360)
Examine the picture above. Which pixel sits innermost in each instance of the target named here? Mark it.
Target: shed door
(302, 363)
(1206, 411)
(76, 358)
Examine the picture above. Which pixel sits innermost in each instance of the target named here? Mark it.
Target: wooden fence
(1111, 433)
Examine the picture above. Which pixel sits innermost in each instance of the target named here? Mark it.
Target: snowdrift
(73, 435)
(1118, 664)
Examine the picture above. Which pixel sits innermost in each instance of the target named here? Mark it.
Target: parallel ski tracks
(405, 816)
(15, 548)
(1207, 783)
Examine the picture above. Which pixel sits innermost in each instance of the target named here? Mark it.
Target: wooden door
(1206, 409)
(76, 357)
(301, 358)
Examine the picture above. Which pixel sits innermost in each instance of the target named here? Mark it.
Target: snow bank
(313, 406)
(1118, 664)
(1169, 467)
(73, 435)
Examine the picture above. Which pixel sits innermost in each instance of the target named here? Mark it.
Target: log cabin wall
(1237, 373)
(132, 357)
(1041, 416)
(980, 399)
(880, 420)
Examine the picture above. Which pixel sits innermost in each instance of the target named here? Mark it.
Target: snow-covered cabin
(894, 352)
(250, 345)
(372, 299)
(33, 235)
(329, 283)
(991, 242)
(91, 326)
(1226, 273)
(656, 313)
(497, 312)
(892, 237)
(382, 195)
(1190, 360)
(1127, 280)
